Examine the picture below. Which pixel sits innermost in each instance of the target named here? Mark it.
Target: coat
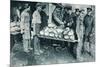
(25, 24)
(88, 22)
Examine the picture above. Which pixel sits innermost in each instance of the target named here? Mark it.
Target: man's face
(69, 11)
(82, 12)
(89, 12)
(26, 6)
(29, 7)
(66, 10)
(58, 9)
(39, 8)
(77, 13)
(20, 7)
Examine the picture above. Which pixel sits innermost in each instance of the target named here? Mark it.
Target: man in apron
(25, 29)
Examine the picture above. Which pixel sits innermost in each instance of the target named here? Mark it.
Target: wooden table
(58, 39)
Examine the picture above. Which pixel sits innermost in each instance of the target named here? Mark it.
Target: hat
(81, 10)
(77, 9)
(42, 5)
(58, 5)
(68, 7)
(38, 4)
(89, 9)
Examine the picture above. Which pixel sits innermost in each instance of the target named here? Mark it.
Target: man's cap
(42, 5)
(89, 9)
(77, 10)
(58, 5)
(68, 7)
(81, 10)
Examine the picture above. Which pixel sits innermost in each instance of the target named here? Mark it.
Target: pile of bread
(55, 32)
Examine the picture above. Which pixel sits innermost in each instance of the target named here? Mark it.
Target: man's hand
(62, 26)
(62, 23)
(22, 31)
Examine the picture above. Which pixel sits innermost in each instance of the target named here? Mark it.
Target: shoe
(36, 53)
(30, 48)
(80, 59)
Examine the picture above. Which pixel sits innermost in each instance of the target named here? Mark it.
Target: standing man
(67, 18)
(25, 28)
(79, 31)
(15, 25)
(88, 23)
(75, 16)
(36, 22)
(15, 32)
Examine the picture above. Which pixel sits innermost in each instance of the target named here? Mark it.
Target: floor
(50, 55)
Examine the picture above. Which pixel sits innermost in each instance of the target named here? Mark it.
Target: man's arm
(56, 18)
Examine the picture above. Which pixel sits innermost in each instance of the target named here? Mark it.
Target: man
(15, 26)
(57, 15)
(36, 22)
(67, 18)
(25, 28)
(44, 18)
(15, 12)
(88, 23)
(75, 16)
(36, 16)
(79, 31)
(15, 32)
(69, 22)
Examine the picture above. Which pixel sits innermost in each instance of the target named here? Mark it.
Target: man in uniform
(88, 23)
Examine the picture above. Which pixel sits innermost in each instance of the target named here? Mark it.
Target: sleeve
(34, 18)
(22, 22)
(56, 18)
(18, 13)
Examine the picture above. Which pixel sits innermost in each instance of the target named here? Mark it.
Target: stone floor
(49, 56)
